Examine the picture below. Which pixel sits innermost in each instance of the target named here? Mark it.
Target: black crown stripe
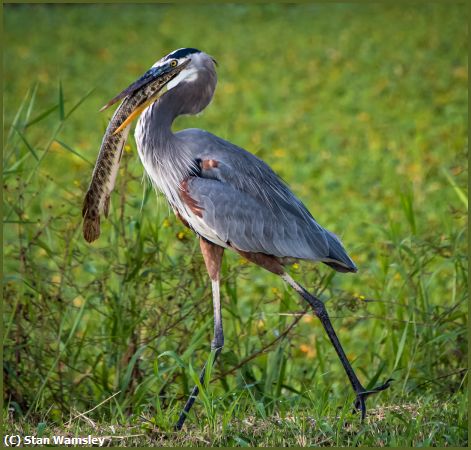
(182, 52)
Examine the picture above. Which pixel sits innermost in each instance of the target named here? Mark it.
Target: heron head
(185, 68)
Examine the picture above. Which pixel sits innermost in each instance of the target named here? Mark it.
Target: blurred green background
(362, 109)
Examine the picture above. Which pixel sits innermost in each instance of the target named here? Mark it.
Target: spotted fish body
(97, 198)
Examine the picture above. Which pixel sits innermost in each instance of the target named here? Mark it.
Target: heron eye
(173, 63)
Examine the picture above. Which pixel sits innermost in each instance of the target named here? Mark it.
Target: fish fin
(106, 206)
(121, 152)
(91, 228)
(91, 220)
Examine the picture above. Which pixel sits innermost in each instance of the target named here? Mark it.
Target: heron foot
(360, 401)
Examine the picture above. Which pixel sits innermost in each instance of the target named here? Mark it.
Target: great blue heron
(226, 195)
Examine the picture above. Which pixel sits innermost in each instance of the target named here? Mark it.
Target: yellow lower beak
(139, 109)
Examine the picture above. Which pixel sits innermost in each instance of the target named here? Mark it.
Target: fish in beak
(136, 97)
(147, 89)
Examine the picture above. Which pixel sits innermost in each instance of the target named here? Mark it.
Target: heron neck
(166, 158)
(161, 117)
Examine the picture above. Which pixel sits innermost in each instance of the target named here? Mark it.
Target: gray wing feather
(248, 205)
(244, 171)
(249, 225)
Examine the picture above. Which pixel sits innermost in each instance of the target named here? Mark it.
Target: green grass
(421, 423)
(360, 108)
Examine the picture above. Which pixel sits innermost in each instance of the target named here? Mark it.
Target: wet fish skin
(97, 198)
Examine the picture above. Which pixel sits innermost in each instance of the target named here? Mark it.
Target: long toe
(360, 405)
(360, 401)
(382, 387)
(377, 389)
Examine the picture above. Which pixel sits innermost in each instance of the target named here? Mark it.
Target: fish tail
(91, 219)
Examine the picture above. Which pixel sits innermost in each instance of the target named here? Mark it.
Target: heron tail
(338, 258)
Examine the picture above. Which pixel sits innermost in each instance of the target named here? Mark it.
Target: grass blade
(41, 116)
(173, 355)
(78, 318)
(400, 349)
(129, 369)
(61, 102)
(28, 145)
(75, 152)
(17, 117)
(31, 103)
(80, 102)
(407, 201)
(459, 192)
(15, 166)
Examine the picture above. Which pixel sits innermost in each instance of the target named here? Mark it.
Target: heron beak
(155, 75)
(140, 108)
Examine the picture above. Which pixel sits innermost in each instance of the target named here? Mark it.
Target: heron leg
(321, 312)
(212, 255)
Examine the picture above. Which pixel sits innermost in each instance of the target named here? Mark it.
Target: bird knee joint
(320, 311)
(217, 343)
